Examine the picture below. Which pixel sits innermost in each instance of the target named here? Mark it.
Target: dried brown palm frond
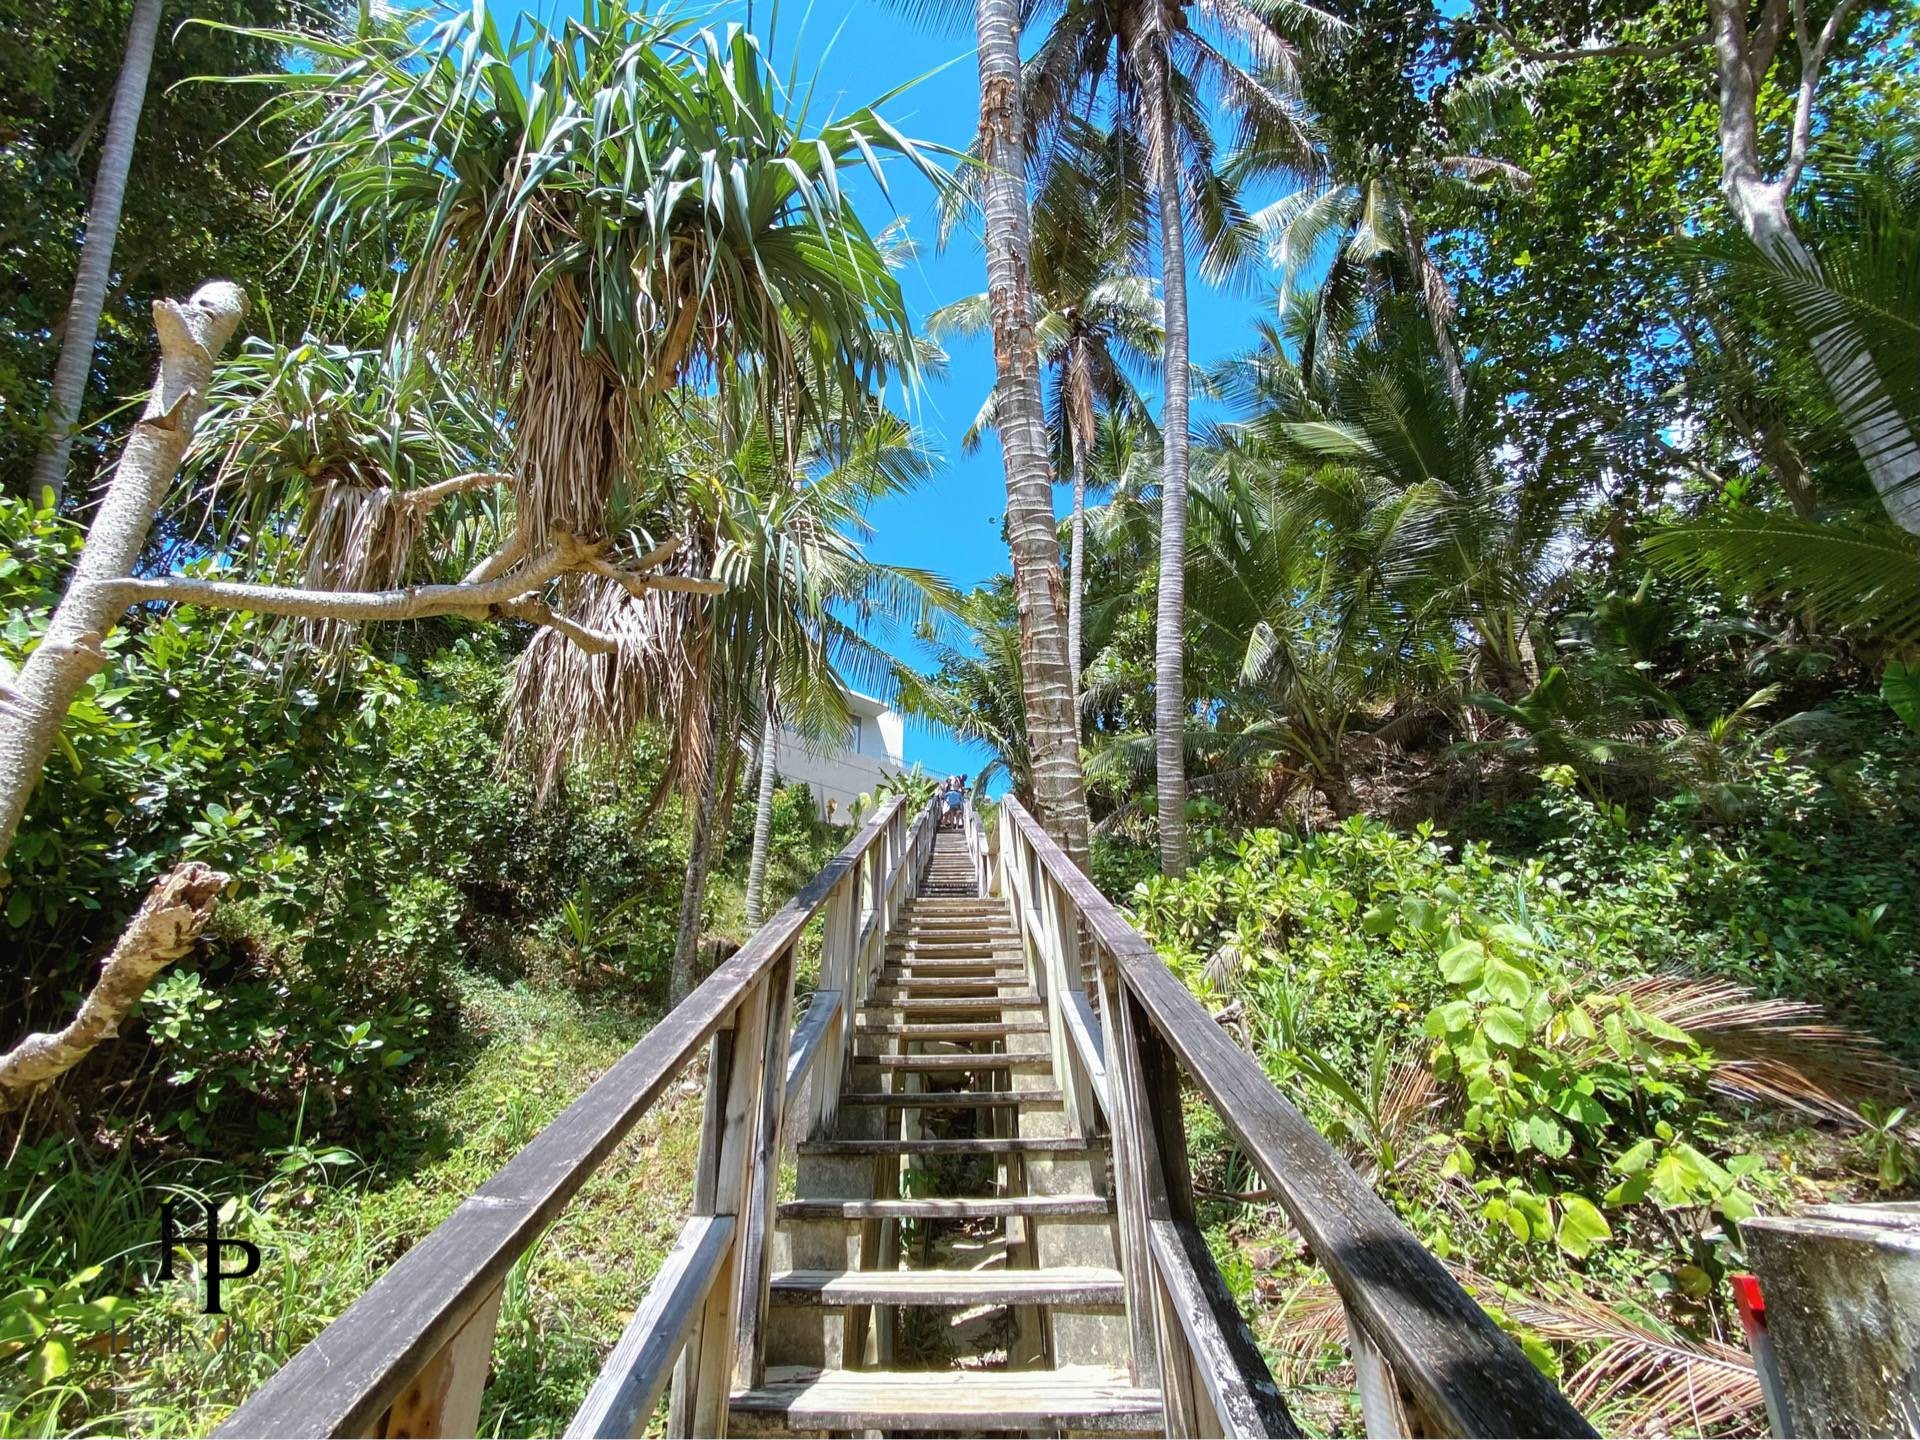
(1643, 1375)
(1411, 1092)
(1646, 1379)
(1774, 1052)
(566, 705)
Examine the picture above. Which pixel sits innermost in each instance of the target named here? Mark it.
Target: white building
(840, 775)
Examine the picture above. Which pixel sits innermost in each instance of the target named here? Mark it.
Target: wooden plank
(1077, 1399)
(959, 1208)
(1227, 1360)
(954, 1004)
(949, 1099)
(808, 1037)
(723, 1186)
(935, 1031)
(1061, 1285)
(762, 1182)
(960, 1060)
(445, 1397)
(1383, 1408)
(347, 1378)
(1083, 1028)
(635, 1374)
(989, 1145)
(1460, 1368)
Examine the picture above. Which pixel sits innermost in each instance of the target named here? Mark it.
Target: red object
(1746, 1294)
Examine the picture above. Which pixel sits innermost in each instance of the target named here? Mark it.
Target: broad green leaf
(1900, 688)
(1582, 1226)
(1379, 919)
(1504, 1026)
(1462, 963)
(1505, 982)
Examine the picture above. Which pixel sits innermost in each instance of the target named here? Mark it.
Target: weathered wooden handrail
(1429, 1360)
(410, 1356)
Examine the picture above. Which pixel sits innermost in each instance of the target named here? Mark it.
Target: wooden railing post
(445, 1397)
(750, 1365)
(837, 967)
(1384, 1408)
(729, 1138)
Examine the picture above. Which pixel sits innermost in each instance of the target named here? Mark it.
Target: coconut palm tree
(1391, 455)
(82, 325)
(976, 689)
(1047, 665)
(1359, 216)
(1099, 324)
(1163, 70)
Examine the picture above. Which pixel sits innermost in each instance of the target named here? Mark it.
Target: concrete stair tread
(949, 1208)
(977, 1145)
(1055, 1285)
(948, 1099)
(1078, 1398)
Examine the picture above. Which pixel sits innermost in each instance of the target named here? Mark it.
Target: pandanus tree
(610, 216)
(1164, 71)
(1099, 325)
(802, 614)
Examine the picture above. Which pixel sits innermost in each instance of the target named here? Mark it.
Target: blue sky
(855, 53)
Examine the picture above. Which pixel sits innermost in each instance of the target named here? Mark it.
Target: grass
(329, 1229)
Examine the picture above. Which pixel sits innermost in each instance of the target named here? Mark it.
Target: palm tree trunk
(1053, 729)
(693, 894)
(82, 326)
(1076, 575)
(762, 821)
(1169, 631)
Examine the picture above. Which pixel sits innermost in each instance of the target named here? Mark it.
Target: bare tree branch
(428, 496)
(164, 929)
(1813, 59)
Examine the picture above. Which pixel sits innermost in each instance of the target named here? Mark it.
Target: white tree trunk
(1053, 729)
(82, 325)
(1877, 430)
(175, 912)
(1169, 631)
(34, 705)
(1076, 572)
(693, 894)
(763, 822)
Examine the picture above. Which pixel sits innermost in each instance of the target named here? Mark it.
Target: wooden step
(894, 983)
(954, 1208)
(958, 964)
(948, 1099)
(978, 1145)
(958, 1061)
(1057, 1285)
(1079, 1399)
(895, 1030)
(969, 972)
(953, 1004)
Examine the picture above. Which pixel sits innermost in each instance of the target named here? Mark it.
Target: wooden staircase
(989, 1224)
(950, 1253)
